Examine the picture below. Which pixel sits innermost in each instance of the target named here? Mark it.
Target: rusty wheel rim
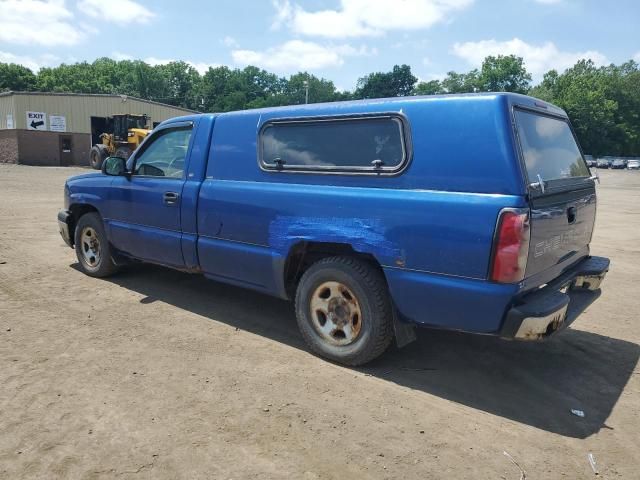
(336, 313)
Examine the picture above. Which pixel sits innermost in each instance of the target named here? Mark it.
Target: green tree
(134, 78)
(108, 76)
(16, 77)
(498, 74)
(320, 90)
(432, 87)
(504, 74)
(142, 80)
(398, 82)
(223, 89)
(262, 87)
(584, 92)
(461, 82)
(623, 87)
(77, 78)
(546, 90)
(181, 83)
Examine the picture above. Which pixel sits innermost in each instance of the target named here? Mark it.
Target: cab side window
(165, 155)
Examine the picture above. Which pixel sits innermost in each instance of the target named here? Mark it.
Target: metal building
(60, 128)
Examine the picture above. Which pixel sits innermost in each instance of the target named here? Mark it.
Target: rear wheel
(92, 247)
(97, 155)
(343, 310)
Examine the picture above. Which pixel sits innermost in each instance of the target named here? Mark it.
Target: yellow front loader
(128, 132)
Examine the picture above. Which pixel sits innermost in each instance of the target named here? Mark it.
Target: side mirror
(114, 166)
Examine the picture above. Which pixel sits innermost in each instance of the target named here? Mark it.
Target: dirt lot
(160, 374)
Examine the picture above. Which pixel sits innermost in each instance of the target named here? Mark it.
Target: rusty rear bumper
(540, 314)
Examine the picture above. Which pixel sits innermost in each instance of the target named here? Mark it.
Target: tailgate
(561, 228)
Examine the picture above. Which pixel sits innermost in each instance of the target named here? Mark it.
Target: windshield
(136, 122)
(549, 148)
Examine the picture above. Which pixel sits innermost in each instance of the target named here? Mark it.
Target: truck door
(144, 208)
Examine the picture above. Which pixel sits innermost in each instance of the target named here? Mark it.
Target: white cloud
(119, 56)
(432, 76)
(230, 42)
(636, 57)
(40, 22)
(538, 59)
(116, 11)
(299, 55)
(201, 67)
(31, 62)
(357, 18)
(283, 13)
(349, 51)
(153, 61)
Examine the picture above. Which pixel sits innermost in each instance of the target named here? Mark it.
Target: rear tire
(92, 247)
(343, 310)
(97, 155)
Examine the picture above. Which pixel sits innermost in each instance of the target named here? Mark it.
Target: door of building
(66, 150)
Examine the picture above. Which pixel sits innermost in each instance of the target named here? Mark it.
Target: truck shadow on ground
(532, 383)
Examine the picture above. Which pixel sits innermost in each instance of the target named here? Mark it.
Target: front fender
(85, 199)
(91, 190)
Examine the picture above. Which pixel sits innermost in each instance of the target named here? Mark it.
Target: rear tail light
(511, 246)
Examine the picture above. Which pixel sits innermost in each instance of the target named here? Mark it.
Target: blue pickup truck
(463, 212)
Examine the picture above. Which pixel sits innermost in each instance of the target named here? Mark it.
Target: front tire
(343, 310)
(97, 155)
(92, 247)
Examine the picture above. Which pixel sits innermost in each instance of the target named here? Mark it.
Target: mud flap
(405, 332)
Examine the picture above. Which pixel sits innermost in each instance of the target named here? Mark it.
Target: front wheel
(97, 155)
(92, 247)
(343, 310)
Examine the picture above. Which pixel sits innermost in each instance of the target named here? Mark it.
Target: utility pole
(306, 91)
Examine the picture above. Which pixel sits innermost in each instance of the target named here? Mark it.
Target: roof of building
(111, 95)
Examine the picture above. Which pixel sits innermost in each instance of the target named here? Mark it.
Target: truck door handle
(170, 198)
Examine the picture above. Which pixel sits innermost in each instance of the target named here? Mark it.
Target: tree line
(602, 102)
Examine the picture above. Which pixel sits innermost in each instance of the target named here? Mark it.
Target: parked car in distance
(458, 212)
(633, 164)
(619, 164)
(602, 163)
(591, 162)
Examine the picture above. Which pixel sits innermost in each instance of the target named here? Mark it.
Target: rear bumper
(63, 226)
(539, 314)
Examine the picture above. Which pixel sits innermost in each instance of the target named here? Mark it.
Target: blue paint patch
(364, 235)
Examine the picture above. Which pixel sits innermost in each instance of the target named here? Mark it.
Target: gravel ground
(160, 374)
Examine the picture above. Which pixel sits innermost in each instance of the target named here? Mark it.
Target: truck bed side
(419, 222)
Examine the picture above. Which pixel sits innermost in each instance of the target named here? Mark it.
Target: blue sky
(336, 39)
